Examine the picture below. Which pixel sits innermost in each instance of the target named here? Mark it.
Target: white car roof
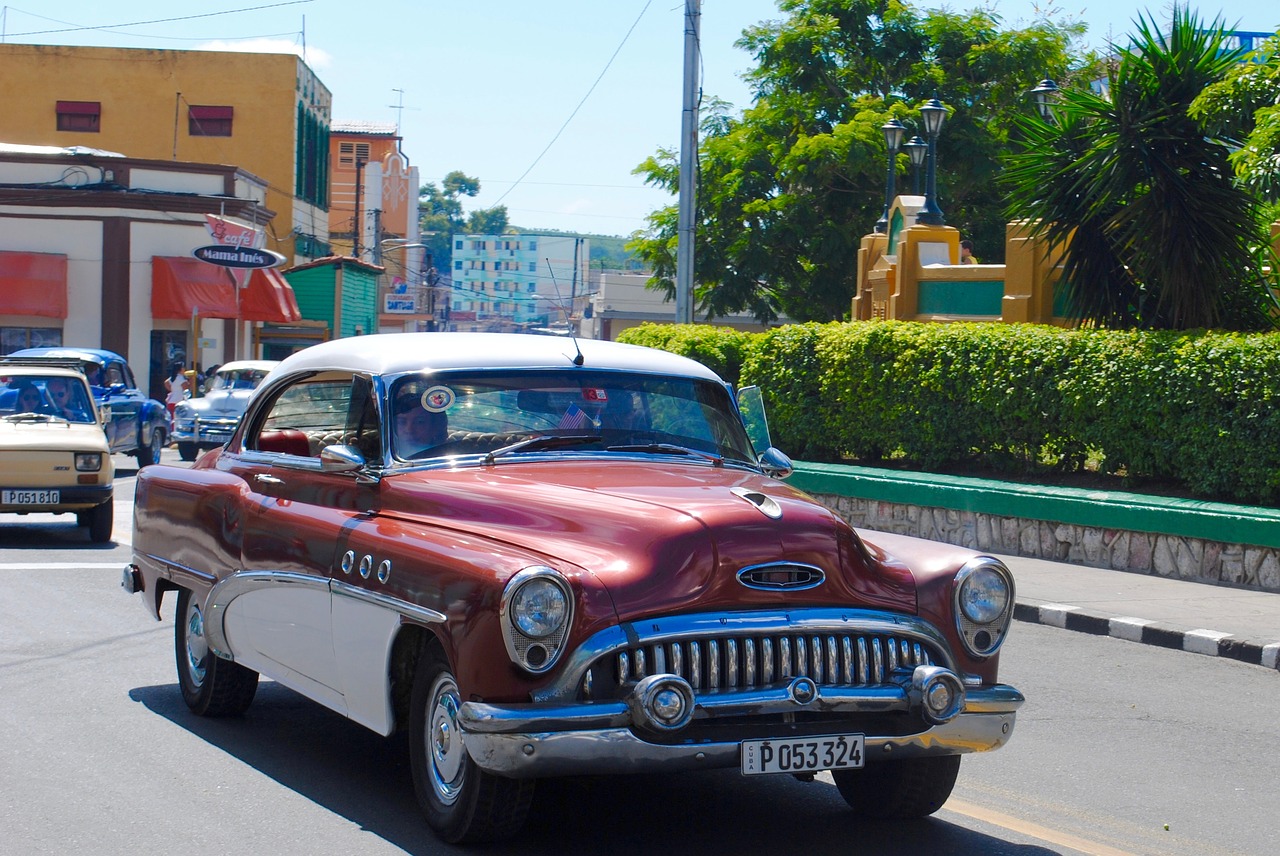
(396, 353)
(247, 365)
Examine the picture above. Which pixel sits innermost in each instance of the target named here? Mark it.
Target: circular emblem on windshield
(437, 399)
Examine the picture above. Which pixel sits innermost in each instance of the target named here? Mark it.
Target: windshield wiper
(669, 449)
(543, 441)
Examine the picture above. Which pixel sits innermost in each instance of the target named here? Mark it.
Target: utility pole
(688, 165)
(356, 225)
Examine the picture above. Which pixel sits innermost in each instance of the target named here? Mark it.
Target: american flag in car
(575, 417)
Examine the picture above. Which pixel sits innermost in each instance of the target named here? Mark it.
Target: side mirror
(776, 463)
(341, 459)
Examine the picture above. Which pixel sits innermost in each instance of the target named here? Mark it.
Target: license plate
(29, 497)
(802, 754)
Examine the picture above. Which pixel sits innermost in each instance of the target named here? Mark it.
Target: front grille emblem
(781, 576)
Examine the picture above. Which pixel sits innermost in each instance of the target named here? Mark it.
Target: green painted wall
(359, 301)
(313, 287)
(968, 297)
(1212, 521)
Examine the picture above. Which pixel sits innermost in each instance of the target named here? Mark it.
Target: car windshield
(56, 396)
(237, 379)
(595, 411)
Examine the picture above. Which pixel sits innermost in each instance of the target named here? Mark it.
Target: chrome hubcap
(197, 647)
(444, 742)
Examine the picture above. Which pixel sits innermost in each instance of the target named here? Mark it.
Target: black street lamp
(933, 114)
(1045, 94)
(917, 150)
(894, 131)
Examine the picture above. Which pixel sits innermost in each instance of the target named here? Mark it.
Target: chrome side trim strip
(412, 611)
(231, 587)
(173, 569)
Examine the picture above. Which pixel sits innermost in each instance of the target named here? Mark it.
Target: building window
(533, 287)
(207, 121)
(457, 265)
(457, 245)
(533, 245)
(16, 338)
(79, 116)
(533, 267)
(349, 154)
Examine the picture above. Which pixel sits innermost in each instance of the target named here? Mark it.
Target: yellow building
(266, 113)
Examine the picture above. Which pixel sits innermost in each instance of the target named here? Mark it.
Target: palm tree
(1155, 232)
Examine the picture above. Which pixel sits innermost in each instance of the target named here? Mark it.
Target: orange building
(373, 216)
(265, 113)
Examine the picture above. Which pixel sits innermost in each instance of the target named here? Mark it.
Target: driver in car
(417, 429)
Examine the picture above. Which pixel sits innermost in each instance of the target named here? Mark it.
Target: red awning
(182, 287)
(268, 297)
(33, 284)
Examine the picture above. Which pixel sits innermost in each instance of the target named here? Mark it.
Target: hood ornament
(767, 505)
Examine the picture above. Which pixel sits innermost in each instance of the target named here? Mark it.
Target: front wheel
(100, 520)
(210, 685)
(463, 803)
(150, 453)
(912, 787)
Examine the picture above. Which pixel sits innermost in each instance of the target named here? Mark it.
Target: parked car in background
(135, 424)
(209, 420)
(53, 450)
(545, 557)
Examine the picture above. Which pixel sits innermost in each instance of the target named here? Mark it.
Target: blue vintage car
(135, 424)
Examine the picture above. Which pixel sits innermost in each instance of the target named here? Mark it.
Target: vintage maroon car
(546, 557)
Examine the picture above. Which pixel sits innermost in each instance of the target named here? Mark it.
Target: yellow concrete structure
(266, 113)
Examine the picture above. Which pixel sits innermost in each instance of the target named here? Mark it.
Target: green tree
(787, 190)
(441, 216)
(1245, 109)
(1156, 233)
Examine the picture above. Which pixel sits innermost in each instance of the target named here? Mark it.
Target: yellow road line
(1033, 830)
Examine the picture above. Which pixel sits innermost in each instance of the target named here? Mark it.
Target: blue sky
(487, 86)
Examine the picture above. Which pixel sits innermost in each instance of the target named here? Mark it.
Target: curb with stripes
(1209, 642)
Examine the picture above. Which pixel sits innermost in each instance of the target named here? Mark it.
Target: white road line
(60, 566)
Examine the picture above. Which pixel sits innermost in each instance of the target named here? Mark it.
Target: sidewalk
(1191, 616)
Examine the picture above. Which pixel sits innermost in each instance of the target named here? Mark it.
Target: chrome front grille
(729, 662)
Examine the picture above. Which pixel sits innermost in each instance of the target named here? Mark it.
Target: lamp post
(917, 151)
(894, 131)
(933, 114)
(1045, 94)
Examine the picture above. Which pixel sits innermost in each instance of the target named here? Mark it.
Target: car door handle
(266, 479)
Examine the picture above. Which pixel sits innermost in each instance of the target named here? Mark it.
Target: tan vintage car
(53, 449)
(545, 557)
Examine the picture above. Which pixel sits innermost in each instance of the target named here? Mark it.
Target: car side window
(316, 413)
(112, 375)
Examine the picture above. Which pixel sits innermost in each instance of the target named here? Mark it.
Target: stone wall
(1174, 556)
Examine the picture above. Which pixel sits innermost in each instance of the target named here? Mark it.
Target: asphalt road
(1121, 748)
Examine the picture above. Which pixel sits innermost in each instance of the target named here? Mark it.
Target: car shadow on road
(365, 778)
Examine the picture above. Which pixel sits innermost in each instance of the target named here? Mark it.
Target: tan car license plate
(802, 755)
(29, 497)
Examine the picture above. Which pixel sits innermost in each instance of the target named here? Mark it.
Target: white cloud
(314, 57)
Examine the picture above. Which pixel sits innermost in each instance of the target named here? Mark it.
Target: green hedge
(1196, 409)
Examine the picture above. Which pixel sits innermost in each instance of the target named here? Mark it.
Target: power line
(156, 21)
(580, 103)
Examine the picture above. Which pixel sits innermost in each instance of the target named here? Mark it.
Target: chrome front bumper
(525, 741)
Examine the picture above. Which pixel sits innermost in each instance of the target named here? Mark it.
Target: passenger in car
(416, 428)
(29, 400)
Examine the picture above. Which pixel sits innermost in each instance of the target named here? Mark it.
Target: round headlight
(984, 596)
(539, 608)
